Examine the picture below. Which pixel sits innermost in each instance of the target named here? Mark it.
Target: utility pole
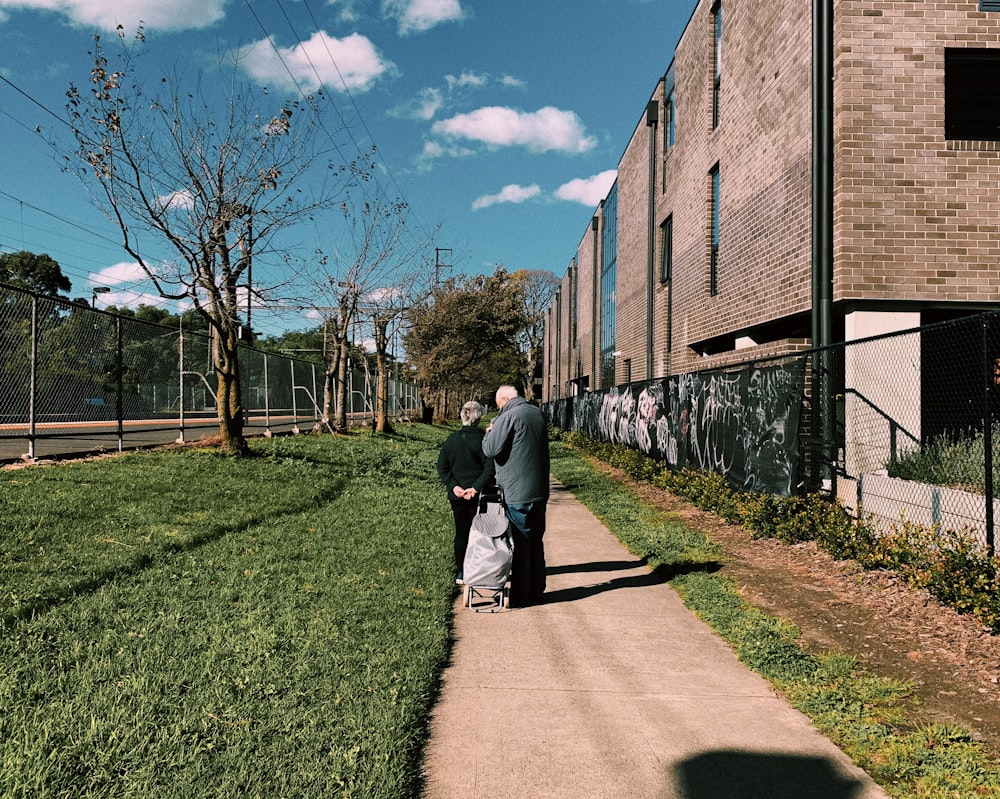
(438, 266)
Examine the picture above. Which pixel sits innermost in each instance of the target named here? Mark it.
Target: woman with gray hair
(466, 472)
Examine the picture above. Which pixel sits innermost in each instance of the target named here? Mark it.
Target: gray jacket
(518, 442)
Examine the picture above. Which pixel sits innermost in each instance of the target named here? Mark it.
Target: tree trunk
(329, 393)
(342, 396)
(382, 424)
(228, 393)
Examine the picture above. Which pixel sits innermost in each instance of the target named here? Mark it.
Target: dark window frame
(972, 93)
(716, 64)
(715, 222)
(667, 249)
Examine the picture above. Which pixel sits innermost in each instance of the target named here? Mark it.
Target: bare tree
(211, 183)
(537, 288)
(363, 282)
(387, 312)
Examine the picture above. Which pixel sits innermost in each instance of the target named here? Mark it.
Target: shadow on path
(750, 775)
(657, 576)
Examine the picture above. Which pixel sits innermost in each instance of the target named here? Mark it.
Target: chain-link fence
(75, 379)
(901, 428)
(916, 426)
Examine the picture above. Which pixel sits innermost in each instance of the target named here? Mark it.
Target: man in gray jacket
(518, 442)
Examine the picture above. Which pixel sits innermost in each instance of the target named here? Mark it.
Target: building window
(716, 63)
(573, 286)
(669, 121)
(989, 5)
(667, 251)
(972, 93)
(609, 287)
(713, 267)
(670, 129)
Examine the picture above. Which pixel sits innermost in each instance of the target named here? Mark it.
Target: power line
(350, 96)
(34, 101)
(57, 217)
(346, 90)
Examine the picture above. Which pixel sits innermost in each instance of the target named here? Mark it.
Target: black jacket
(461, 462)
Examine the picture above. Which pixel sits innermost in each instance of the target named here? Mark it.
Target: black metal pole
(988, 439)
(652, 120)
(119, 383)
(33, 379)
(822, 248)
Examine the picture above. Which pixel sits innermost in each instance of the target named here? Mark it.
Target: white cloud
(424, 106)
(588, 191)
(467, 78)
(508, 194)
(349, 64)
(115, 275)
(416, 16)
(428, 102)
(182, 200)
(348, 12)
(434, 149)
(538, 131)
(164, 15)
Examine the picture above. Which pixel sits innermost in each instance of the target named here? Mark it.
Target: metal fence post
(180, 377)
(267, 401)
(295, 412)
(987, 439)
(33, 376)
(119, 383)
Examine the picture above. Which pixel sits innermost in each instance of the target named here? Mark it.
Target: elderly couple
(515, 447)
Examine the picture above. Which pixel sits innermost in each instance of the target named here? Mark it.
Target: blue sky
(499, 122)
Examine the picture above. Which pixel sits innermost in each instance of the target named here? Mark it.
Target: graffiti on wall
(743, 424)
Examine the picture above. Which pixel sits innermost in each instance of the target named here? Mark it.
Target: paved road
(74, 438)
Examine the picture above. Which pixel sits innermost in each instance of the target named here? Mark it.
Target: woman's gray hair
(471, 413)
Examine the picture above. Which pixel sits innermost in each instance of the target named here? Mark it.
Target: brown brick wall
(917, 218)
(589, 324)
(633, 221)
(763, 149)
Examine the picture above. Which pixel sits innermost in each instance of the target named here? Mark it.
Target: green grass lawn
(182, 624)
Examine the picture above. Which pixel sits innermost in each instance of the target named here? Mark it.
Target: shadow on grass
(89, 583)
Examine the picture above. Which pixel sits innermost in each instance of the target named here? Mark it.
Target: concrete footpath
(612, 688)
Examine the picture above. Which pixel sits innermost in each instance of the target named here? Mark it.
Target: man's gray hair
(471, 413)
(506, 393)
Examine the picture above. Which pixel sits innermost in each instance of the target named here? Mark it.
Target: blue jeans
(527, 582)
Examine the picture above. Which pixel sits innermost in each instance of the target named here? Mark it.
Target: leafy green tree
(463, 340)
(39, 273)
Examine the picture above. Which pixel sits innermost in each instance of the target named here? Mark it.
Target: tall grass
(946, 461)
(182, 624)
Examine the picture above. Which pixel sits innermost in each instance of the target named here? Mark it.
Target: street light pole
(93, 294)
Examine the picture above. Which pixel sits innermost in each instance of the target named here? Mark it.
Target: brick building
(712, 246)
